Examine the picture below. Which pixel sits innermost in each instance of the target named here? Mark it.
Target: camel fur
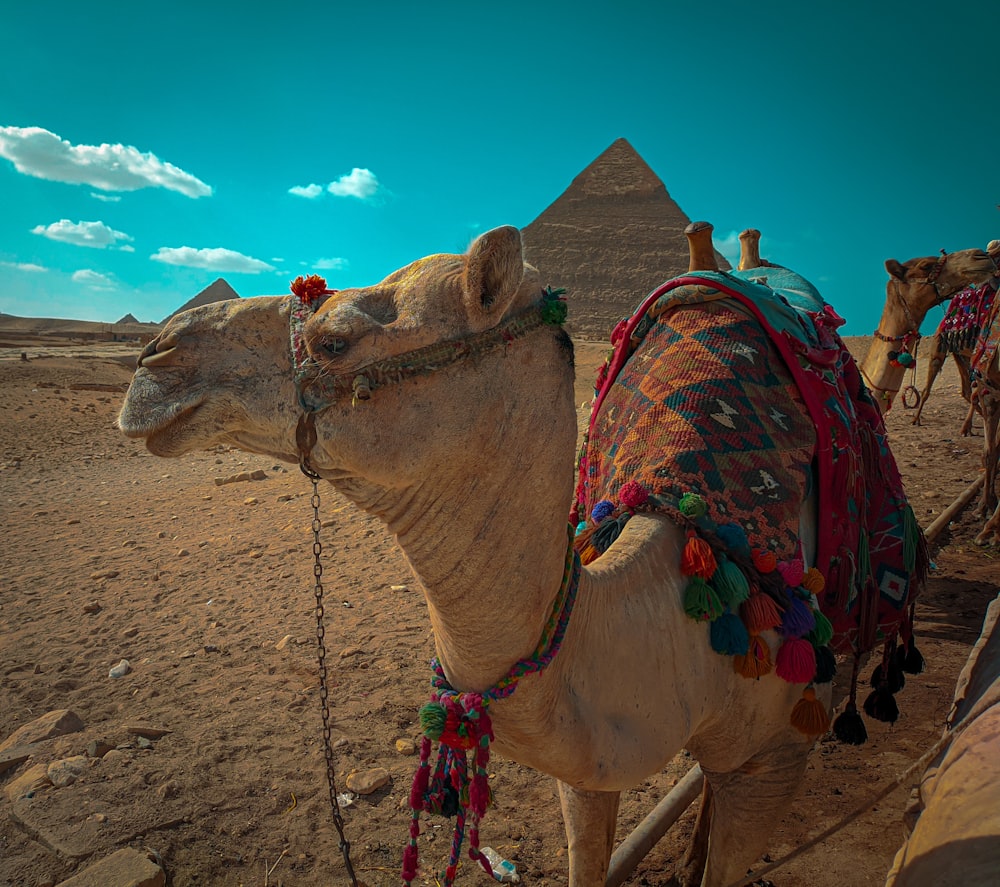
(471, 468)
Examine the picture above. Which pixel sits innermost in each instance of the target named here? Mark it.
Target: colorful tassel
(607, 532)
(729, 635)
(757, 661)
(822, 632)
(798, 619)
(909, 658)
(911, 539)
(759, 613)
(697, 558)
(700, 601)
(849, 727)
(796, 661)
(809, 716)
(892, 678)
(881, 705)
(601, 510)
(791, 572)
(730, 583)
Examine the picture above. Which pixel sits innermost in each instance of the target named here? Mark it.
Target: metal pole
(634, 848)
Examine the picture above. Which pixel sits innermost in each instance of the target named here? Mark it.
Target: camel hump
(701, 250)
(749, 249)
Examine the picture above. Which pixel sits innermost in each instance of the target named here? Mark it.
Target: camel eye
(335, 346)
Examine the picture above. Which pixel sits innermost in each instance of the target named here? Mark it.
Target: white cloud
(93, 279)
(107, 198)
(360, 183)
(331, 264)
(93, 234)
(216, 259)
(37, 152)
(23, 266)
(729, 246)
(311, 192)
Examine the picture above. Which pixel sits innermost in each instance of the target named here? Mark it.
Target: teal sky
(146, 150)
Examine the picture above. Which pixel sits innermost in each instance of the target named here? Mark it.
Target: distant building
(218, 291)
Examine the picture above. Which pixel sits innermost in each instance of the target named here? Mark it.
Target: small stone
(183, 552)
(92, 607)
(146, 730)
(256, 554)
(211, 648)
(130, 632)
(30, 781)
(143, 742)
(259, 474)
(104, 574)
(68, 770)
(120, 670)
(284, 642)
(399, 588)
(98, 748)
(250, 500)
(365, 782)
(97, 817)
(406, 746)
(48, 726)
(350, 651)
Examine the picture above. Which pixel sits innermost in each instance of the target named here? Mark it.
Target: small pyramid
(610, 238)
(128, 318)
(217, 291)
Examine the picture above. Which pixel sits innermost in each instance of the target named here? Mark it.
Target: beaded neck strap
(460, 723)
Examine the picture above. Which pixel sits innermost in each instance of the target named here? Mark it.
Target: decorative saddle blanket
(988, 343)
(968, 313)
(726, 401)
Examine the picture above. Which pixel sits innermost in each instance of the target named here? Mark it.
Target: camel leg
(990, 403)
(746, 805)
(966, 428)
(590, 833)
(933, 368)
(691, 868)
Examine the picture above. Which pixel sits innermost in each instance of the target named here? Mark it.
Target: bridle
(905, 357)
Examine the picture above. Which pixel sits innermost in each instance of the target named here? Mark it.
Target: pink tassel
(796, 661)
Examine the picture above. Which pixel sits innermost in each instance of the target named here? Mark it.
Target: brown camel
(462, 441)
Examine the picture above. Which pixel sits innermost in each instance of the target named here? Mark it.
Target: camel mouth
(160, 427)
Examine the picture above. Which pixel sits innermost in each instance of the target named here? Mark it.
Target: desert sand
(203, 582)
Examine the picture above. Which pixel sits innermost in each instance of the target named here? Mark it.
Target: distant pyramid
(128, 318)
(218, 291)
(610, 238)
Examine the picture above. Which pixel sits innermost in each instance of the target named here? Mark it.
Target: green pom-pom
(692, 505)
(701, 601)
(730, 583)
(554, 309)
(432, 720)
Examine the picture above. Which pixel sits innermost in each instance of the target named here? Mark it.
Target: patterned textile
(967, 314)
(988, 342)
(697, 398)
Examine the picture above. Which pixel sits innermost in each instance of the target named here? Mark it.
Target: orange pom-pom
(697, 558)
(588, 554)
(810, 715)
(310, 288)
(760, 613)
(813, 581)
(764, 560)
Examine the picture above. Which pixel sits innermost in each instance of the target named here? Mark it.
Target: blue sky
(147, 150)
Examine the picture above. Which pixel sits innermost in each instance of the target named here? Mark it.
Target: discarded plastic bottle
(503, 869)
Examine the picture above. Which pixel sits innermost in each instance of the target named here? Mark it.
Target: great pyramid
(218, 291)
(610, 238)
(128, 318)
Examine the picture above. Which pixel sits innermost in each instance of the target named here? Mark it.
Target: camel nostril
(334, 346)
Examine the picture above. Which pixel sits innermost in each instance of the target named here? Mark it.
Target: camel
(954, 836)
(462, 441)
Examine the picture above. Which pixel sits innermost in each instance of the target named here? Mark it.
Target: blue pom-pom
(729, 635)
(733, 538)
(601, 510)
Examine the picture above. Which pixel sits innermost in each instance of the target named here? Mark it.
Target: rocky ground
(206, 755)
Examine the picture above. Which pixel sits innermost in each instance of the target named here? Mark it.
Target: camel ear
(494, 271)
(895, 269)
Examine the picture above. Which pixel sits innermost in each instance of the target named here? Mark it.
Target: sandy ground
(207, 590)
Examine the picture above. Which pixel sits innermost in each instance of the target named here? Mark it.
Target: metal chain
(324, 692)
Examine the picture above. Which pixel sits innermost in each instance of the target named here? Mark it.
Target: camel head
(217, 374)
(914, 287)
(225, 374)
